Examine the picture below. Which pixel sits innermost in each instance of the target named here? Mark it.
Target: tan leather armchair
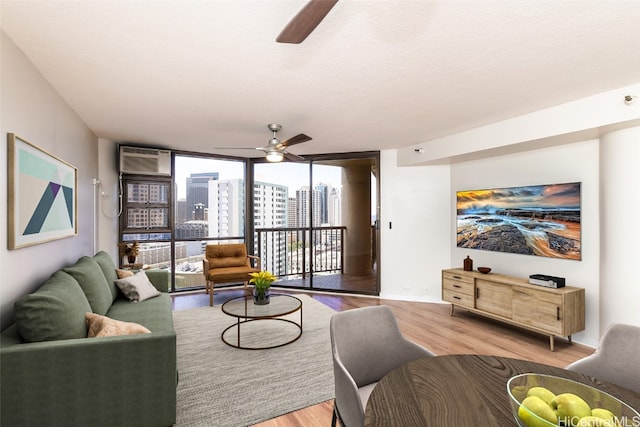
(228, 263)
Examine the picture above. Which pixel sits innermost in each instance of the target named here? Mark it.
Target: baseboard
(412, 298)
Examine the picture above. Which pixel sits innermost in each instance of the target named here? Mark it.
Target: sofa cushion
(89, 275)
(229, 262)
(102, 326)
(231, 274)
(137, 287)
(154, 313)
(109, 270)
(53, 312)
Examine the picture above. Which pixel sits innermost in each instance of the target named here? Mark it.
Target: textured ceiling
(374, 75)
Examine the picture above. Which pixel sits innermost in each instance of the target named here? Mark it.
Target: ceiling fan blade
(292, 157)
(305, 21)
(300, 138)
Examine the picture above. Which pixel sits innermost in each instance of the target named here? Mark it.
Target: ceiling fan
(305, 21)
(276, 150)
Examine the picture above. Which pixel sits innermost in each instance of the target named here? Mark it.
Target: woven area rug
(224, 386)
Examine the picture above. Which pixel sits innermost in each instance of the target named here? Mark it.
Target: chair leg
(247, 290)
(210, 288)
(334, 417)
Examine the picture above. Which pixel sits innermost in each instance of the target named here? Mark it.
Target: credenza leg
(569, 337)
(452, 309)
(552, 342)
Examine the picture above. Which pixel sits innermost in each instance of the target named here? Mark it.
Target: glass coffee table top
(279, 305)
(260, 327)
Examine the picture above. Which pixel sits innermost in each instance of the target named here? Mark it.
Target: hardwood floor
(430, 325)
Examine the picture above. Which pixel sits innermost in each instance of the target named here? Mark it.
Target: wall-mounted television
(541, 220)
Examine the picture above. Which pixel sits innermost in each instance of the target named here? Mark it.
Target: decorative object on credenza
(129, 250)
(43, 195)
(484, 270)
(548, 281)
(542, 220)
(261, 283)
(468, 264)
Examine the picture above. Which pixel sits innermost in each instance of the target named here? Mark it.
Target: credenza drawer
(457, 298)
(446, 275)
(458, 286)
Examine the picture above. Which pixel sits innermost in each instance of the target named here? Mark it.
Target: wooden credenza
(550, 311)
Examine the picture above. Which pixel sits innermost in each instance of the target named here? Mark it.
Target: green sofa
(53, 375)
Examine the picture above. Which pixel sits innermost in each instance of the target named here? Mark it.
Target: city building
(226, 208)
(308, 202)
(270, 210)
(197, 189)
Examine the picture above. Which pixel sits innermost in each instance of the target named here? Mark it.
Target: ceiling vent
(145, 161)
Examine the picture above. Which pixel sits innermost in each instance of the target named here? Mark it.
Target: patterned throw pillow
(137, 287)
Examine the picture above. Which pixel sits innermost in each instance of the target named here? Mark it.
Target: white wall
(415, 250)
(578, 162)
(620, 241)
(108, 201)
(594, 140)
(33, 110)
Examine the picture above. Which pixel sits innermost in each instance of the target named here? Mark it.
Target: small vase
(131, 259)
(260, 296)
(468, 264)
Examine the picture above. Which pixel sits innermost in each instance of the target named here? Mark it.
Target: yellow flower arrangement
(262, 280)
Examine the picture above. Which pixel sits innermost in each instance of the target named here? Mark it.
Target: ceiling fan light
(274, 156)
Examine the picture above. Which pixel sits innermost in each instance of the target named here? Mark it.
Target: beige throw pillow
(102, 326)
(124, 273)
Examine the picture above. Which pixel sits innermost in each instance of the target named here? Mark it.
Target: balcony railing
(289, 253)
(297, 251)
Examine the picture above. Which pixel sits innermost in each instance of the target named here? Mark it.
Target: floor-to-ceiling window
(209, 208)
(313, 222)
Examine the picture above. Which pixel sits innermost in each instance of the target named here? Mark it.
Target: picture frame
(42, 195)
(541, 220)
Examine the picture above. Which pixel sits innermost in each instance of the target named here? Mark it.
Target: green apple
(570, 408)
(535, 405)
(543, 393)
(605, 414)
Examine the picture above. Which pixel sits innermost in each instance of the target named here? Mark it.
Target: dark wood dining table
(461, 390)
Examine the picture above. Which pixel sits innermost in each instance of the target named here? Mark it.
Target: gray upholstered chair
(616, 358)
(366, 344)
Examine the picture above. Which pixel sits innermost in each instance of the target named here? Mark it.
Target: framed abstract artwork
(43, 195)
(542, 220)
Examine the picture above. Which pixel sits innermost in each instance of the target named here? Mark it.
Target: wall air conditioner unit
(145, 161)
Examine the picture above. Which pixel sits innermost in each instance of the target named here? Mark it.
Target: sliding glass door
(314, 222)
(347, 237)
